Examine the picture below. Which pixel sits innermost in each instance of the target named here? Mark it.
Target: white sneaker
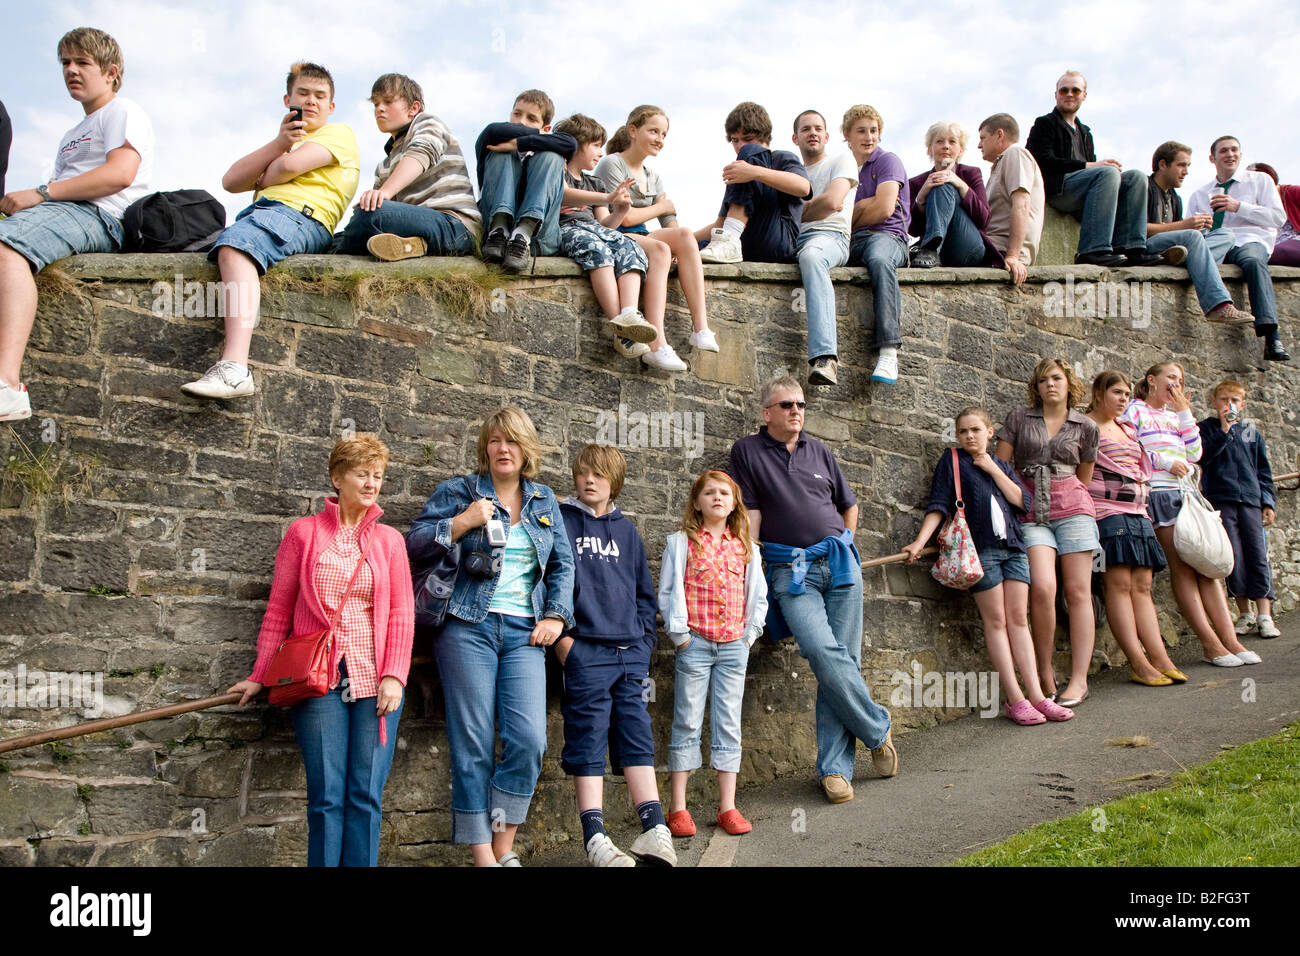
(886, 371)
(722, 247)
(665, 358)
(15, 403)
(222, 381)
(602, 852)
(631, 324)
(629, 349)
(704, 341)
(510, 859)
(1249, 657)
(1266, 626)
(655, 846)
(1247, 623)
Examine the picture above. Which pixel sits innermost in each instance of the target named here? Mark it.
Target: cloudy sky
(211, 75)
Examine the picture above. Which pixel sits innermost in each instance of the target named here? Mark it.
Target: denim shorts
(1163, 506)
(50, 231)
(1067, 535)
(1001, 564)
(269, 231)
(594, 246)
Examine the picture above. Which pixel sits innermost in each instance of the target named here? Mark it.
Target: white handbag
(1199, 536)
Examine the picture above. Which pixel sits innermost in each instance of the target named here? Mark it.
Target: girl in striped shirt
(1161, 413)
(713, 597)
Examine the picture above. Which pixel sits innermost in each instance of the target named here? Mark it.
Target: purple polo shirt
(800, 496)
(884, 167)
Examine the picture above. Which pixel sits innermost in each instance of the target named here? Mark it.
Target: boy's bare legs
(629, 291)
(590, 792)
(243, 293)
(17, 312)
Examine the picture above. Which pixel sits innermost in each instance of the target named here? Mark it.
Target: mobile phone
(296, 111)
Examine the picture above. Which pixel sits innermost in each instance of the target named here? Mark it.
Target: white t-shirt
(821, 174)
(86, 146)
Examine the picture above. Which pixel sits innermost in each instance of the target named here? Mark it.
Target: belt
(1043, 475)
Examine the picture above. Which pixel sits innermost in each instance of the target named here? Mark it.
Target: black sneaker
(494, 246)
(516, 257)
(1140, 257)
(1274, 352)
(823, 371)
(1102, 257)
(923, 258)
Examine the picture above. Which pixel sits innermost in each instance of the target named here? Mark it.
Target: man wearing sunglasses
(803, 512)
(1110, 204)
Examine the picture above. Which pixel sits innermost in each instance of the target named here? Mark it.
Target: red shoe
(734, 823)
(680, 823)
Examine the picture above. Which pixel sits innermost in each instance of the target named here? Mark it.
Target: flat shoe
(734, 823)
(1023, 713)
(1224, 660)
(680, 823)
(1249, 657)
(1052, 710)
(1175, 675)
(1162, 681)
(1072, 701)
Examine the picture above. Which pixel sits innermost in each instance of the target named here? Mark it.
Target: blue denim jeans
(444, 234)
(523, 189)
(819, 251)
(1253, 259)
(491, 676)
(1210, 290)
(960, 242)
(708, 671)
(346, 772)
(883, 253)
(1111, 207)
(827, 623)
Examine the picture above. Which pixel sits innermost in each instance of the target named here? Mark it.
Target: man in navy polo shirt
(803, 512)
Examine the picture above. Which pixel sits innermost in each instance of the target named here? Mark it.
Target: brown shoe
(836, 788)
(1174, 255)
(393, 248)
(1229, 314)
(885, 758)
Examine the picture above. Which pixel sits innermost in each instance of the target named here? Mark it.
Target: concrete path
(974, 782)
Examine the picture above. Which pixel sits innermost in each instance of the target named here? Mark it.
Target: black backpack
(184, 220)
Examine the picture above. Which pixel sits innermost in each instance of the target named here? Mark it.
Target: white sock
(889, 352)
(733, 227)
(242, 370)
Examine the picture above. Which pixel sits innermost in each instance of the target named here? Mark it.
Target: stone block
(82, 565)
(230, 545)
(296, 405)
(17, 547)
(153, 852)
(32, 807)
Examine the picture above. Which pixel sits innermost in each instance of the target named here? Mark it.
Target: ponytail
(620, 141)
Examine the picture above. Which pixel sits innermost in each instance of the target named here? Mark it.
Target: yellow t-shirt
(326, 189)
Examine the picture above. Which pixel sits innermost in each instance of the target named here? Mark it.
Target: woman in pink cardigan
(347, 737)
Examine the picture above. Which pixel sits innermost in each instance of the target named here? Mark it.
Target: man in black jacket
(1111, 205)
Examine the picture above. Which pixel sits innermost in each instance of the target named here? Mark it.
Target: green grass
(1240, 809)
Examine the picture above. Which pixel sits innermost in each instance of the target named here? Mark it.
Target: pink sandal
(1024, 713)
(1052, 710)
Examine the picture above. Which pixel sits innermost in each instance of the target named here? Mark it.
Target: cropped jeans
(708, 672)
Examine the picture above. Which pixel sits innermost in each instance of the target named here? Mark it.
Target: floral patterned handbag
(958, 564)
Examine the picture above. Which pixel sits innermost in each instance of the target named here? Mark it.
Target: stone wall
(141, 544)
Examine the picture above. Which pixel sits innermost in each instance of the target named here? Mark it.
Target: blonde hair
(604, 460)
(513, 422)
(737, 521)
(945, 126)
(97, 45)
(1077, 388)
(1142, 390)
(861, 111)
(348, 453)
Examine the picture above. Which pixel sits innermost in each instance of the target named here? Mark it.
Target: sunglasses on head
(789, 404)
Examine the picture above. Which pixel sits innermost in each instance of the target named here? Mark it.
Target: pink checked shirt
(715, 587)
(355, 633)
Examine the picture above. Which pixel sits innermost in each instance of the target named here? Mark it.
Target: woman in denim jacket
(509, 602)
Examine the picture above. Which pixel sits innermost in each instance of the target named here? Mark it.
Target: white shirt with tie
(1261, 209)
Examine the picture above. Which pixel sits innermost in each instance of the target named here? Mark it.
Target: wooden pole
(110, 723)
(895, 558)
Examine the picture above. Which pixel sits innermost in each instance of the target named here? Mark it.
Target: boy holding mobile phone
(104, 165)
(303, 180)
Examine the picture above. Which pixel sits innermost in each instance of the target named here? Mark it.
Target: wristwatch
(44, 190)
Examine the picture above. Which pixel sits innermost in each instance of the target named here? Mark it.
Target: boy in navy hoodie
(606, 662)
(1237, 479)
